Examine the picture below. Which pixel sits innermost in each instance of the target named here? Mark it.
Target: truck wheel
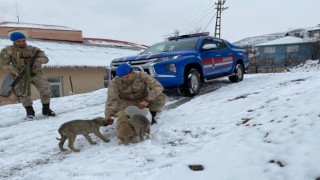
(192, 84)
(239, 72)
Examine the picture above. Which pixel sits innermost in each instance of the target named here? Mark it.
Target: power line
(209, 22)
(201, 18)
(197, 11)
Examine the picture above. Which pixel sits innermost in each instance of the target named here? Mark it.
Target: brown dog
(141, 125)
(71, 129)
(124, 129)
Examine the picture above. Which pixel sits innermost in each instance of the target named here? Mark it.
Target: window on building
(271, 49)
(268, 62)
(293, 48)
(56, 86)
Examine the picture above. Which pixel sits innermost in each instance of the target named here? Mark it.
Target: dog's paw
(63, 149)
(76, 150)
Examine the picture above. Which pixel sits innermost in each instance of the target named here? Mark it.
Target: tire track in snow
(206, 88)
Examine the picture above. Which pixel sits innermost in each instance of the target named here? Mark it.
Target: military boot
(47, 111)
(153, 114)
(30, 112)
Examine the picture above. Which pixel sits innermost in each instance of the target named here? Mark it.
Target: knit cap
(123, 70)
(16, 36)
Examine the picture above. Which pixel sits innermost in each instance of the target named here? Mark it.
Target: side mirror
(209, 47)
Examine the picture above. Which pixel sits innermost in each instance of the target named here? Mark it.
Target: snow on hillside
(258, 39)
(269, 37)
(309, 65)
(265, 127)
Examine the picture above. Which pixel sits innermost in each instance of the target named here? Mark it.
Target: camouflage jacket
(143, 87)
(13, 58)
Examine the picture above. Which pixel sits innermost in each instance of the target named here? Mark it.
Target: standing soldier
(133, 88)
(12, 59)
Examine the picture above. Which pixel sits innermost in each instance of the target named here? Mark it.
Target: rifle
(23, 70)
(8, 84)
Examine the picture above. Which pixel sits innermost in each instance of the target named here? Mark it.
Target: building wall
(83, 80)
(49, 34)
(281, 54)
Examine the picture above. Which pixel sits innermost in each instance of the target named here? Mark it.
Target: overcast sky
(149, 21)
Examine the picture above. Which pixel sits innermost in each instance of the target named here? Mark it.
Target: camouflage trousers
(42, 85)
(156, 105)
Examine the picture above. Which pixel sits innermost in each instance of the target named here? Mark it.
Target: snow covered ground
(265, 127)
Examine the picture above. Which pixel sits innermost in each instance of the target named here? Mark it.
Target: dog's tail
(60, 134)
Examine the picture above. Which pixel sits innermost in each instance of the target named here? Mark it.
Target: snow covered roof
(112, 42)
(284, 40)
(35, 26)
(315, 28)
(67, 54)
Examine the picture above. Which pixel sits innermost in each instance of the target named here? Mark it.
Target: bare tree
(315, 47)
(290, 61)
(314, 40)
(254, 59)
(175, 33)
(264, 62)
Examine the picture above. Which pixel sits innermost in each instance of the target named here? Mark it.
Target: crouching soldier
(12, 59)
(133, 88)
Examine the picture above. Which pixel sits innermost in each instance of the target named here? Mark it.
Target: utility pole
(17, 11)
(219, 8)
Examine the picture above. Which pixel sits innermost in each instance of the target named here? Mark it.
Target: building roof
(284, 40)
(112, 42)
(68, 54)
(315, 28)
(35, 26)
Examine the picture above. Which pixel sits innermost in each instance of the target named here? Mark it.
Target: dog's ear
(132, 127)
(117, 114)
(99, 118)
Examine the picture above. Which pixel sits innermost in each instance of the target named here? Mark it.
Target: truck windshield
(173, 45)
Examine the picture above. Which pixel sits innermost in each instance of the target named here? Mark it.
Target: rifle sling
(27, 79)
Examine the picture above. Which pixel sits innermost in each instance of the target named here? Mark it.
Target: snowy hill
(269, 37)
(258, 39)
(265, 127)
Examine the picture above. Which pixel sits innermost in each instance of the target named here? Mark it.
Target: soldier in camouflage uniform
(13, 58)
(133, 88)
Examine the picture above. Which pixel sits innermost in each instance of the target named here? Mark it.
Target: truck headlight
(172, 67)
(167, 58)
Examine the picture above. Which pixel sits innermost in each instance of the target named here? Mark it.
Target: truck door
(215, 56)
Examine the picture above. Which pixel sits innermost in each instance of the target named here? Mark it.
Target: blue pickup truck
(184, 62)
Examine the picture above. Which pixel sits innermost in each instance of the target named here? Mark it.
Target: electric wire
(209, 22)
(201, 18)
